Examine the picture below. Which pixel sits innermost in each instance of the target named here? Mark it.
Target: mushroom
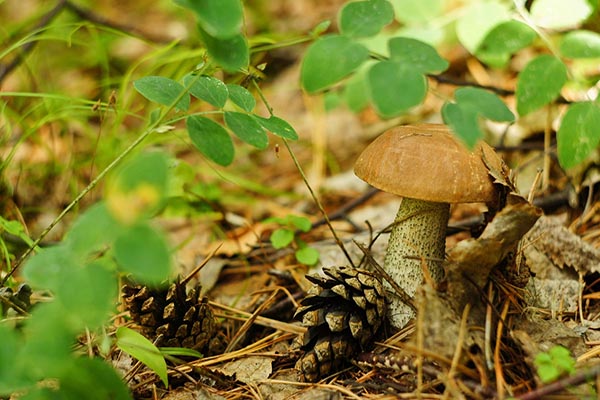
(429, 168)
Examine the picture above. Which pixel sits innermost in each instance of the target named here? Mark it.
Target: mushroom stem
(419, 231)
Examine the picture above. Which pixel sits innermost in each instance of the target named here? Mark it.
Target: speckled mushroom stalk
(430, 168)
(417, 241)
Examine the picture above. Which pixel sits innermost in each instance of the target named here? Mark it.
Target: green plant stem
(305, 180)
(95, 182)
(77, 199)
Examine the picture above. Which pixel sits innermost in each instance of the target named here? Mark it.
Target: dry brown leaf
(249, 369)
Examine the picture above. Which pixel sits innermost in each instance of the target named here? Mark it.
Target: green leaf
(354, 92)
(94, 230)
(278, 126)
(330, 59)
(180, 351)
(307, 255)
(578, 134)
(247, 128)
(417, 54)
(137, 190)
(539, 83)
(504, 40)
(395, 87)
(87, 295)
(241, 97)
(220, 18)
(232, 53)
(48, 267)
(12, 378)
(301, 223)
(559, 14)
(208, 88)
(15, 228)
(86, 373)
(141, 348)
(281, 237)
(478, 20)
(143, 252)
(486, 103)
(211, 139)
(580, 44)
(413, 12)
(365, 18)
(163, 91)
(464, 122)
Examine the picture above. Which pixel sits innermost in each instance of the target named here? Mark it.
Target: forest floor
(253, 288)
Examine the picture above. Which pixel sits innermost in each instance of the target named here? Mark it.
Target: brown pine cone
(342, 312)
(174, 316)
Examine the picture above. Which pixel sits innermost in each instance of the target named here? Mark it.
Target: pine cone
(173, 316)
(343, 311)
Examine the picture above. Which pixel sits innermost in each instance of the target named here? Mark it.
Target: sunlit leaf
(504, 40)
(281, 237)
(330, 59)
(413, 12)
(580, 44)
(478, 20)
(578, 134)
(560, 14)
(307, 255)
(211, 139)
(163, 91)
(141, 348)
(540, 83)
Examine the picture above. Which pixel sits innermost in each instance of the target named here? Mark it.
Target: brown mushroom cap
(427, 162)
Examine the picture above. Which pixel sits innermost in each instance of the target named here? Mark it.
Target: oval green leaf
(143, 252)
(241, 97)
(281, 237)
(464, 123)
(207, 88)
(417, 54)
(412, 12)
(92, 231)
(307, 255)
(278, 126)
(211, 139)
(580, 44)
(247, 128)
(485, 103)
(232, 53)
(87, 295)
(354, 92)
(163, 91)
(578, 134)
(141, 348)
(330, 59)
(505, 39)
(220, 18)
(478, 20)
(540, 83)
(560, 14)
(395, 87)
(365, 18)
